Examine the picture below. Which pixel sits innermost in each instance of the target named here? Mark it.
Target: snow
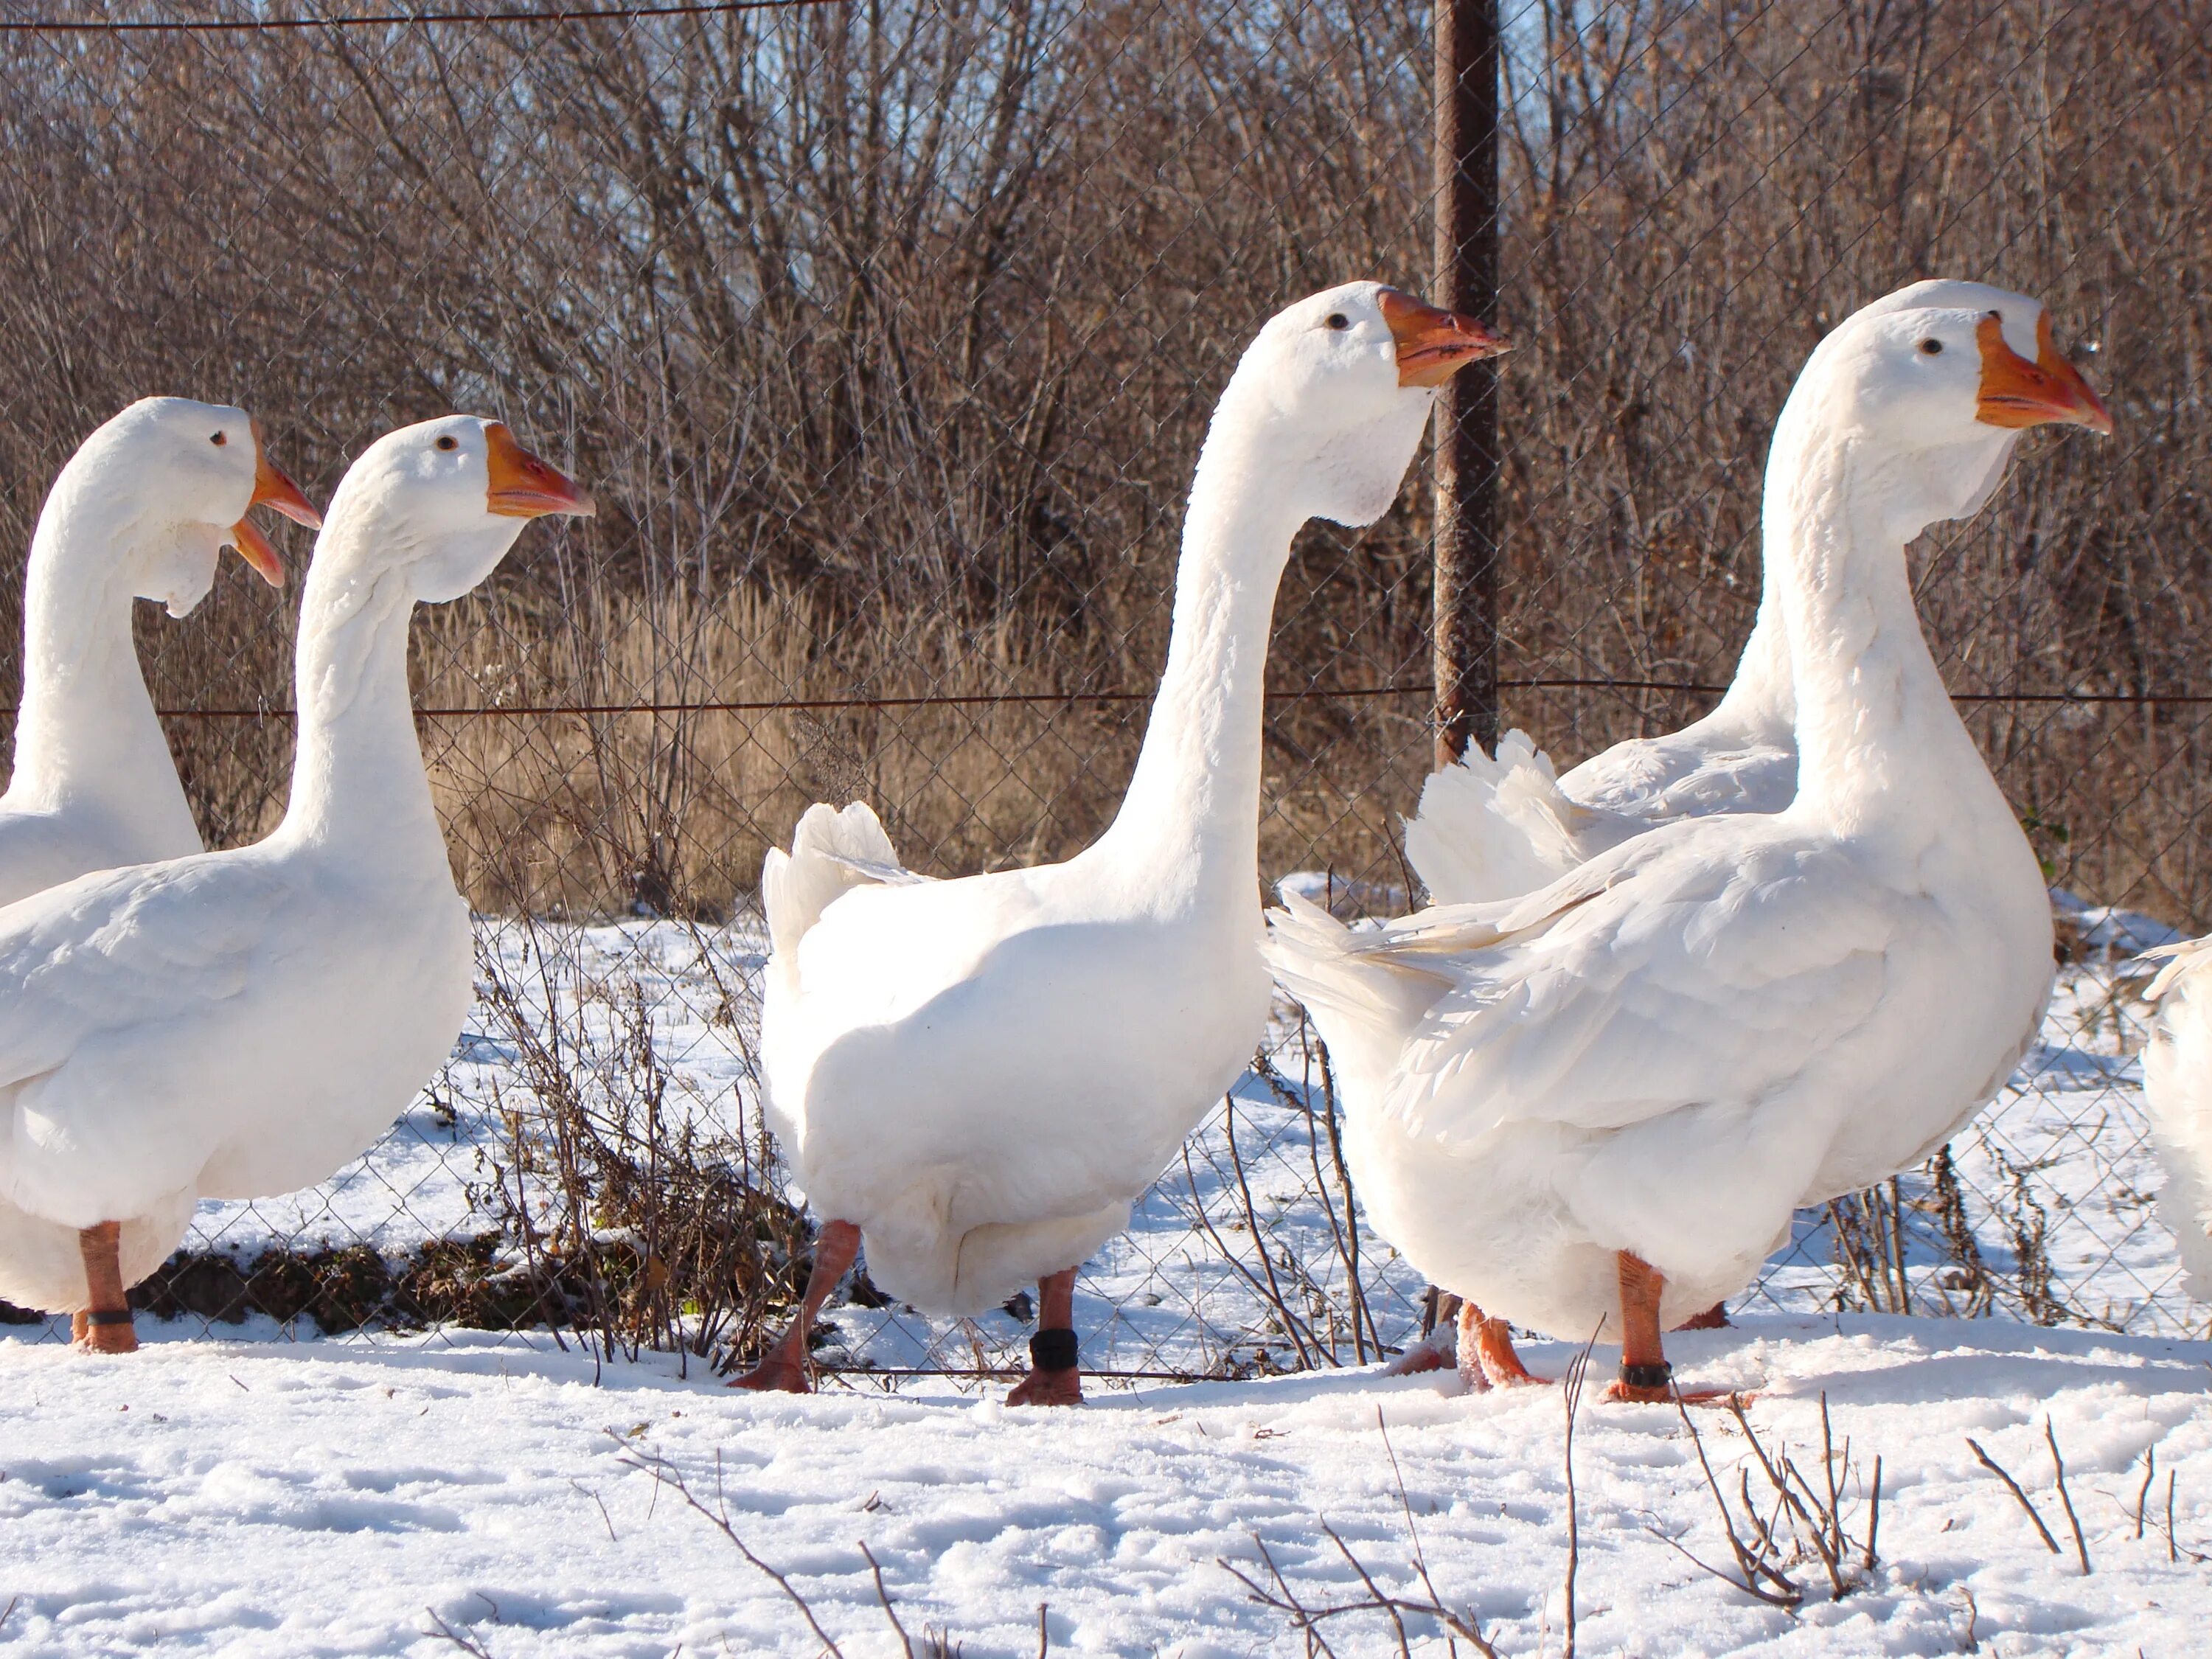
(251, 1489)
(340, 1496)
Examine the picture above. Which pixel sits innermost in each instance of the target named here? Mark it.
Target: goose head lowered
(174, 481)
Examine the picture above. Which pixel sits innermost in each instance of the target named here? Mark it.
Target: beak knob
(521, 486)
(2015, 393)
(1433, 343)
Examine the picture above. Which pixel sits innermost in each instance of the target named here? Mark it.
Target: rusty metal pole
(1465, 279)
(1465, 141)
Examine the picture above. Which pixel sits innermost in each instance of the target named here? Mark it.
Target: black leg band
(1053, 1350)
(108, 1317)
(1647, 1376)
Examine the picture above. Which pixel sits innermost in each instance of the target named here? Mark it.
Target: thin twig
(1284, 1599)
(2013, 1485)
(1577, 1373)
(605, 1519)
(884, 1595)
(2066, 1498)
(466, 1644)
(2143, 1498)
(1389, 1607)
(1752, 1565)
(666, 1473)
(1786, 1603)
(1874, 1516)
(1044, 1630)
(1466, 1627)
(1817, 1523)
(1305, 1619)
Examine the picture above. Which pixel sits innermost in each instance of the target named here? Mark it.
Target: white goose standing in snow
(980, 1075)
(239, 1023)
(1495, 827)
(1491, 828)
(1597, 1105)
(2176, 1066)
(140, 512)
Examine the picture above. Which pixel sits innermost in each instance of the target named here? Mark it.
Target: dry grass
(887, 341)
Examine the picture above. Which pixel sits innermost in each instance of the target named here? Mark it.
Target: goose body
(239, 1023)
(980, 1075)
(1492, 827)
(1596, 1106)
(968, 1083)
(2176, 1066)
(142, 510)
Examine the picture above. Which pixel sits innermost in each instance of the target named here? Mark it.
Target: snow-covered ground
(348, 1496)
(250, 1489)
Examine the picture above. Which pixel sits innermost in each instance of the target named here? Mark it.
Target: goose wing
(122, 951)
(1699, 966)
(1656, 780)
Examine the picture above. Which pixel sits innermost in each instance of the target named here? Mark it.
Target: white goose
(1491, 828)
(980, 1075)
(140, 512)
(238, 1024)
(2177, 1087)
(1598, 1104)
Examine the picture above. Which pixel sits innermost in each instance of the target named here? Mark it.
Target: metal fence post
(1464, 140)
(1465, 279)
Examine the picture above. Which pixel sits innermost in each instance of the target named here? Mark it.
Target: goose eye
(219, 440)
(449, 442)
(1337, 320)
(1931, 347)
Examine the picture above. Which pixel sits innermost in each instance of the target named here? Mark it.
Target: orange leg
(107, 1314)
(1646, 1375)
(1486, 1357)
(783, 1368)
(1054, 1378)
(1714, 1318)
(1427, 1354)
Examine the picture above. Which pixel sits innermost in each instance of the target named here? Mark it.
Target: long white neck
(1761, 702)
(1188, 828)
(357, 781)
(1881, 752)
(85, 731)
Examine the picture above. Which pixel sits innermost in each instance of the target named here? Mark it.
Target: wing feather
(1658, 979)
(123, 948)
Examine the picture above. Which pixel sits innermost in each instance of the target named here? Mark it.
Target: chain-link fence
(885, 331)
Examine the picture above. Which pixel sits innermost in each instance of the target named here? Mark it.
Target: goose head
(1934, 386)
(1336, 391)
(176, 479)
(443, 501)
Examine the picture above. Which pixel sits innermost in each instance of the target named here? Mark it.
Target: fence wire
(885, 336)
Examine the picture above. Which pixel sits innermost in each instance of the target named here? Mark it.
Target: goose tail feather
(1493, 827)
(831, 851)
(1365, 1003)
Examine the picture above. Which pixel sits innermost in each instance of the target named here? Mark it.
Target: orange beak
(523, 487)
(2018, 394)
(1434, 344)
(270, 489)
